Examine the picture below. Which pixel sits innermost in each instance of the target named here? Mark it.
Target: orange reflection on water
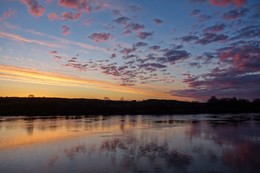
(25, 132)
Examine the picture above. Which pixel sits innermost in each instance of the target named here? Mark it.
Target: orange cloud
(13, 73)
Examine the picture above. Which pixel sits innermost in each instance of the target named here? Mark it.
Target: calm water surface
(100, 144)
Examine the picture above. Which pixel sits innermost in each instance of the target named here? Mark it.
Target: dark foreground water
(126, 144)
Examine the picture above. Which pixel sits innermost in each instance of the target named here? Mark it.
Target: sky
(130, 49)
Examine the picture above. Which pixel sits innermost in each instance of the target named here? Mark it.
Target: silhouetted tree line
(63, 106)
(233, 105)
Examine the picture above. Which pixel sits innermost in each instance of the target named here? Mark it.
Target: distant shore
(64, 106)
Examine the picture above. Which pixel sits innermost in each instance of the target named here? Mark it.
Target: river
(203, 143)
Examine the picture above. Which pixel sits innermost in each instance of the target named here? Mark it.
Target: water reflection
(29, 129)
(184, 144)
(159, 154)
(71, 152)
(53, 160)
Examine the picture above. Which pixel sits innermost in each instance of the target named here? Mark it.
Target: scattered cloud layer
(214, 52)
(235, 14)
(240, 78)
(26, 40)
(64, 16)
(14, 73)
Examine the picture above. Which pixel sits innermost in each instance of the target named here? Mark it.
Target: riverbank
(65, 106)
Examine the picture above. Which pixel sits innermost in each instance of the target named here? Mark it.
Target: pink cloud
(238, 3)
(64, 16)
(69, 3)
(53, 52)
(100, 37)
(8, 14)
(53, 16)
(77, 4)
(65, 30)
(70, 16)
(126, 51)
(144, 35)
(243, 59)
(34, 7)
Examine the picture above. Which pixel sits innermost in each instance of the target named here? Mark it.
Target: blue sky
(186, 50)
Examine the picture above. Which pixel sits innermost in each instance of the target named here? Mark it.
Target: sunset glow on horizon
(183, 50)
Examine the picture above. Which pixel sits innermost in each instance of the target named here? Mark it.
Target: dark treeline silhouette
(64, 106)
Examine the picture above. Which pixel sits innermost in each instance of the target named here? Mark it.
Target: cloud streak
(14, 73)
(58, 42)
(18, 38)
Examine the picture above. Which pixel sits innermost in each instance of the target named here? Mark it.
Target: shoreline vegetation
(35, 106)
